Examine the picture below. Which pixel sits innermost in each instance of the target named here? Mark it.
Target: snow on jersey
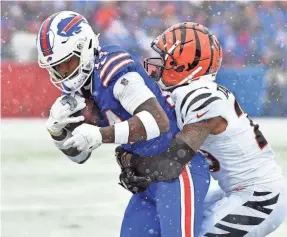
(240, 155)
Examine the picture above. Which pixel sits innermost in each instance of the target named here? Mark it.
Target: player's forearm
(108, 134)
(166, 165)
(136, 132)
(149, 121)
(195, 134)
(156, 111)
(138, 100)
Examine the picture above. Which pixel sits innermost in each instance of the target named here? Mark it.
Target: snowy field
(44, 194)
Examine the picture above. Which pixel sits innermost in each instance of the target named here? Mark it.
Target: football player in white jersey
(253, 196)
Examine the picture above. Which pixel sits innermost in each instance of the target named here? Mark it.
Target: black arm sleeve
(165, 166)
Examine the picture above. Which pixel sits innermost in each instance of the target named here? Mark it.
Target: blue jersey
(112, 63)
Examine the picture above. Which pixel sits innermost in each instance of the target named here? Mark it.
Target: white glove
(61, 111)
(86, 137)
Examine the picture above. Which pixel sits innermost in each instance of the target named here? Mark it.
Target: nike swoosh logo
(200, 115)
(65, 41)
(104, 60)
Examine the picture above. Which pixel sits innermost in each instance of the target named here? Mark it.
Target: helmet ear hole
(172, 63)
(180, 68)
(80, 46)
(90, 45)
(96, 53)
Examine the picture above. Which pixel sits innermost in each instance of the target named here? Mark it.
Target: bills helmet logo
(70, 26)
(46, 36)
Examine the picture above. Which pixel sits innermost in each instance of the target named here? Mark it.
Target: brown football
(91, 113)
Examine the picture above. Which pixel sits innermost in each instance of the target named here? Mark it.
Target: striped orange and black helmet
(187, 51)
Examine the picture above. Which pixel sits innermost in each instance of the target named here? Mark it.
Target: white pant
(253, 211)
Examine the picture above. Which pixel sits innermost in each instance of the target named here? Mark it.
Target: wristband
(150, 124)
(122, 132)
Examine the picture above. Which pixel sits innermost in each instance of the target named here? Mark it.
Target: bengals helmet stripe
(211, 58)
(185, 49)
(197, 56)
(173, 36)
(164, 40)
(183, 36)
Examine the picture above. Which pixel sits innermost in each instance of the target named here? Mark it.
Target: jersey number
(224, 90)
(260, 139)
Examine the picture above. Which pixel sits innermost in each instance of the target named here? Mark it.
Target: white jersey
(240, 155)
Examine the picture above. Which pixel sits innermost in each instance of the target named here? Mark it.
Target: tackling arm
(194, 134)
(168, 165)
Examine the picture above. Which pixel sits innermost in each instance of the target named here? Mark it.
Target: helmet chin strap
(76, 83)
(188, 79)
(171, 49)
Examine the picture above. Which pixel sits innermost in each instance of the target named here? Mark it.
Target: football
(91, 113)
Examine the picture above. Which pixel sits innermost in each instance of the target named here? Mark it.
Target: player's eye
(63, 65)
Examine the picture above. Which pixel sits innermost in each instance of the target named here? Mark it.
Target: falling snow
(252, 34)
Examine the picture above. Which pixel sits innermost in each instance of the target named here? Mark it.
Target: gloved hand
(142, 170)
(128, 179)
(85, 137)
(133, 183)
(123, 157)
(61, 111)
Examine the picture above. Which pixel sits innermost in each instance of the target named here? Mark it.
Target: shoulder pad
(113, 63)
(194, 104)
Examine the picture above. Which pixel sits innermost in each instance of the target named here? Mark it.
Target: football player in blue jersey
(135, 113)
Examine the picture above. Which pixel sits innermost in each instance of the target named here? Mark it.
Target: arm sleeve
(131, 90)
(166, 165)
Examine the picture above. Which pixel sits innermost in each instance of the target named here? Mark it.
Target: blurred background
(45, 194)
(253, 36)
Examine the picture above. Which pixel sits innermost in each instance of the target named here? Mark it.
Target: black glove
(123, 157)
(128, 179)
(133, 183)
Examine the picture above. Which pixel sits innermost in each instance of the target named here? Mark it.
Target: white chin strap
(73, 84)
(76, 83)
(187, 79)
